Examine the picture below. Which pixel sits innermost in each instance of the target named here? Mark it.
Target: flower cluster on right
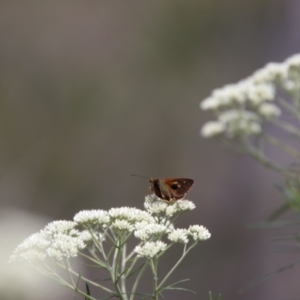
(244, 110)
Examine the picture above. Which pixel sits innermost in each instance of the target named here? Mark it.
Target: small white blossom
(171, 210)
(234, 115)
(272, 72)
(86, 236)
(240, 122)
(65, 246)
(184, 205)
(269, 110)
(224, 95)
(154, 205)
(60, 227)
(167, 222)
(212, 128)
(122, 225)
(210, 103)
(142, 224)
(293, 61)
(58, 240)
(32, 249)
(198, 233)
(130, 214)
(262, 92)
(92, 217)
(150, 249)
(179, 236)
(151, 231)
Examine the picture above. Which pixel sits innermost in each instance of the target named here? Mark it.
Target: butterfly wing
(179, 186)
(170, 188)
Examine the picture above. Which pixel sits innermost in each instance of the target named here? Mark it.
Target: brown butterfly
(169, 188)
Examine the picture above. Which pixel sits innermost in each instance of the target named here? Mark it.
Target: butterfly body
(170, 188)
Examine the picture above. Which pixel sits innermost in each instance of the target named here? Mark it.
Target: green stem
(287, 127)
(260, 156)
(115, 266)
(154, 263)
(277, 143)
(138, 278)
(185, 252)
(289, 107)
(59, 279)
(88, 281)
(96, 261)
(123, 267)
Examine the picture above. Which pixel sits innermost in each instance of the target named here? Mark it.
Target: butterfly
(169, 189)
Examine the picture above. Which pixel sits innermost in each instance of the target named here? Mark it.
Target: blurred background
(93, 91)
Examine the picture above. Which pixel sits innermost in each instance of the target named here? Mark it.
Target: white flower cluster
(156, 206)
(242, 108)
(150, 249)
(58, 240)
(92, 217)
(64, 239)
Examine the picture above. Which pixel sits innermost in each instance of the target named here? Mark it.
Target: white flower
(58, 240)
(210, 103)
(130, 214)
(150, 249)
(92, 217)
(32, 249)
(154, 205)
(272, 72)
(240, 122)
(184, 205)
(259, 93)
(86, 236)
(234, 115)
(293, 61)
(171, 210)
(269, 110)
(60, 227)
(150, 231)
(198, 233)
(122, 225)
(65, 246)
(212, 128)
(179, 236)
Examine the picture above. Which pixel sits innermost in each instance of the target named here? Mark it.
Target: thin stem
(88, 280)
(153, 263)
(277, 143)
(94, 260)
(132, 252)
(185, 252)
(260, 156)
(123, 267)
(56, 277)
(291, 108)
(138, 278)
(287, 127)
(114, 269)
(68, 268)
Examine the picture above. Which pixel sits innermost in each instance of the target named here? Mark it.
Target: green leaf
(87, 291)
(268, 275)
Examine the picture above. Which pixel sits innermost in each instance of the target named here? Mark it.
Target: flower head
(151, 232)
(58, 240)
(198, 233)
(92, 217)
(150, 249)
(179, 236)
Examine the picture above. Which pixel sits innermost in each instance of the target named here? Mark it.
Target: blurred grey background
(93, 91)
